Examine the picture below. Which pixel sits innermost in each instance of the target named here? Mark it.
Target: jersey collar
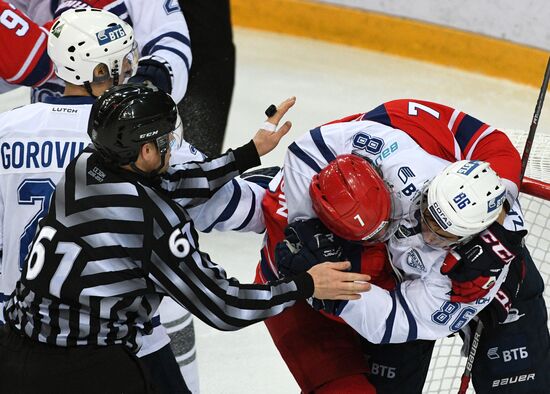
(69, 100)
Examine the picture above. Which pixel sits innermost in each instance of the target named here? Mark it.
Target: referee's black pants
(28, 367)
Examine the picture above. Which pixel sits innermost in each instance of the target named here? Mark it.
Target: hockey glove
(327, 306)
(155, 71)
(307, 243)
(499, 307)
(474, 266)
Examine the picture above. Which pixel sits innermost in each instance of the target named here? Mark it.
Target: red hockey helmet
(352, 200)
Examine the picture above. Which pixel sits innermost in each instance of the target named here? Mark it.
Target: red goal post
(536, 188)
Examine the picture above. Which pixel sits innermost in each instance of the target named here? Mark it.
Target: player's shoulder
(34, 117)
(20, 115)
(367, 132)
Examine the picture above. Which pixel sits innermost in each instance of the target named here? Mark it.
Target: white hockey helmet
(83, 38)
(465, 198)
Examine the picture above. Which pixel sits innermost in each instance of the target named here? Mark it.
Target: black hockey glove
(328, 306)
(261, 176)
(474, 266)
(498, 309)
(156, 72)
(307, 243)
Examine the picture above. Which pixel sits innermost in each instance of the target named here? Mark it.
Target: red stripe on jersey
(475, 139)
(22, 44)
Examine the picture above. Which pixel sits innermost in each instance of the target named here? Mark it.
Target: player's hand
(307, 243)
(151, 70)
(498, 309)
(332, 283)
(266, 139)
(474, 266)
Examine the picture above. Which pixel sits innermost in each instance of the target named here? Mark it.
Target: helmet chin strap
(156, 172)
(88, 85)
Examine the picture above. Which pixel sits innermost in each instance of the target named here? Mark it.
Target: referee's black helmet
(127, 116)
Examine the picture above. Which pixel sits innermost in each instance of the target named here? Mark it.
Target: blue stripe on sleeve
(250, 213)
(321, 145)
(379, 115)
(300, 154)
(118, 9)
(413, 330)
(147, 48)
(466, 130)
(390, 320)
(39, 72)
(230, 207)
(179, 53)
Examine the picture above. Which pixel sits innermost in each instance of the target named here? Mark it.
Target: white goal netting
(447, 365)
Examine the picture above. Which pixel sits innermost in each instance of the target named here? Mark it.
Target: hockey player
(161, 35)
(162, 38)
(33, 158)
(324, 356)
(447, 133)
(114, 242)
(24, 59)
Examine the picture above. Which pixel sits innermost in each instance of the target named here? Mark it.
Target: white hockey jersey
(39, 140)
(160, 32)
(420, 306)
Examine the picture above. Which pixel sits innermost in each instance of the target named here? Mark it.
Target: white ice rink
(329, 81)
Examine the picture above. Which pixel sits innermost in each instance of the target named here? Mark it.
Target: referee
(114, 243)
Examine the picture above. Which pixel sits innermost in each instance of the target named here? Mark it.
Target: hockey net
(447, 365)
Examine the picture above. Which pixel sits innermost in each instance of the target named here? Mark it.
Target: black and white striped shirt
(113, 244)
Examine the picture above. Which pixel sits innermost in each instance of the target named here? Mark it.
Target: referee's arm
(195, 182)
(179, 269)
